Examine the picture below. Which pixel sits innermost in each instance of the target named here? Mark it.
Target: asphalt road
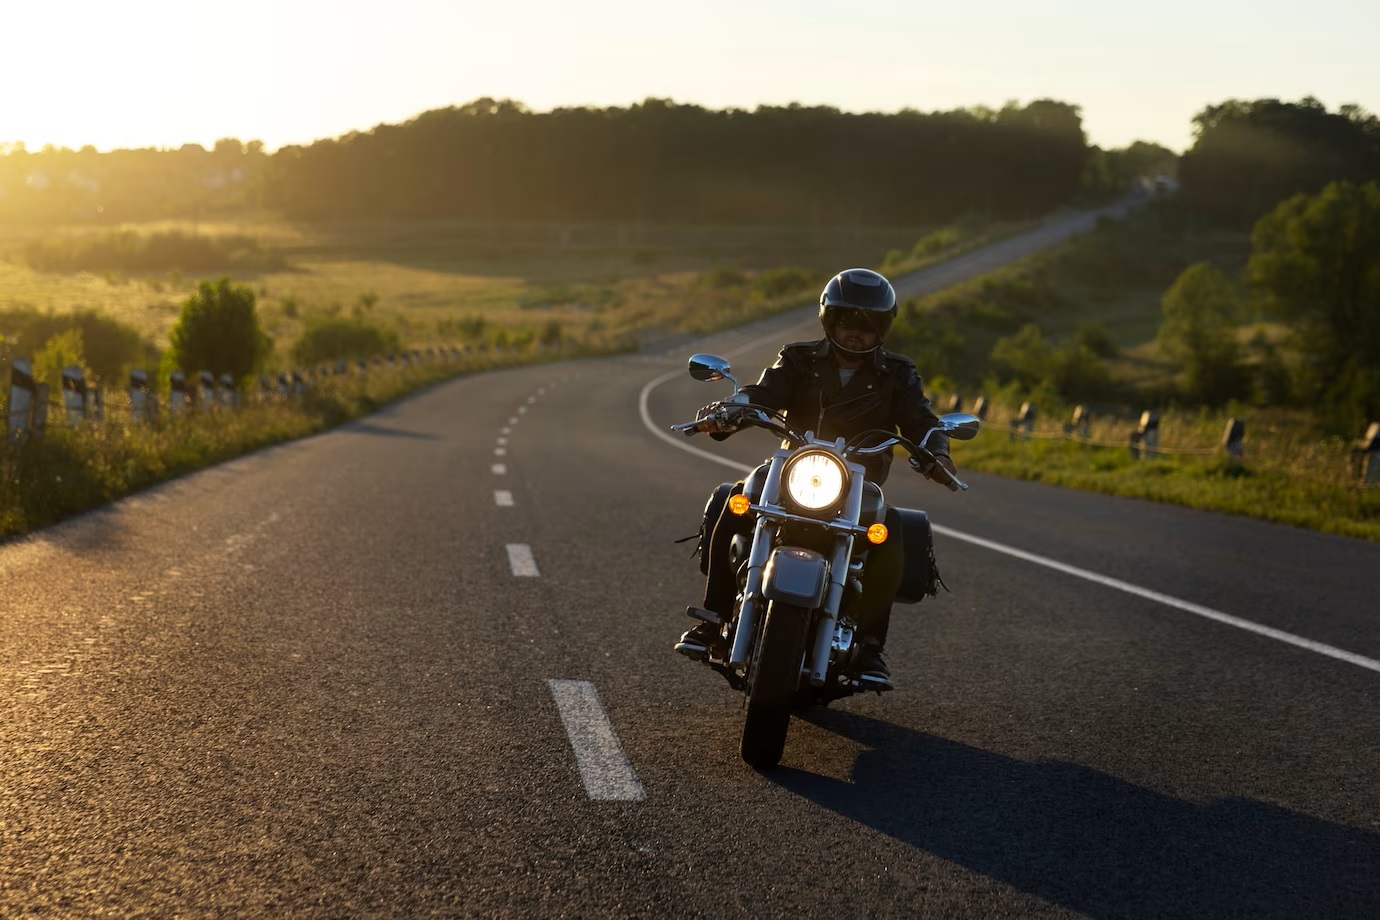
(309, 682)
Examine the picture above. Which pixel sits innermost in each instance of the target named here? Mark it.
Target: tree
(219, 331)
(1249, 156)
(1201, 314)
(1316, 265)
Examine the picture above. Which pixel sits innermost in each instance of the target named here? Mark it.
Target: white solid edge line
(1186, 606)
(521, 561)
(503, 498)
(604, 770)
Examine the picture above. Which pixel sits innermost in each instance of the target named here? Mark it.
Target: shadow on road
(1089, 841)
(368, 428)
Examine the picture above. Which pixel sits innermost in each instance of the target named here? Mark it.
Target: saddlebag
(921, 578)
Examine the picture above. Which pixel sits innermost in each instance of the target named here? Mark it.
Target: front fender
(796, 576)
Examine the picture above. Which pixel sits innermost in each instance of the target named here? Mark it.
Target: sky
(159, 73)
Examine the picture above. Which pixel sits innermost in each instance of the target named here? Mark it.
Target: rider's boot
(873, 673)
(699, 640)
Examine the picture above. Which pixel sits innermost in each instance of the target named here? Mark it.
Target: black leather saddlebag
(921, 578)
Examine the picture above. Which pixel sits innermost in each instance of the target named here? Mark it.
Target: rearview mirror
(709, 368)
(960, 425)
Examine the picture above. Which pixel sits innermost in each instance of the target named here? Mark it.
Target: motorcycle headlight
(815, 481)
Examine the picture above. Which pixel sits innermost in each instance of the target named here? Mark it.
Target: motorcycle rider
(838, 386)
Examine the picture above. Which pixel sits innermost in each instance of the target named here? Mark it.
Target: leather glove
(732, 407)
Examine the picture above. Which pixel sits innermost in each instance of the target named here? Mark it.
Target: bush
(779, 282)
(110, 347)
(127, 251)
(338, 339)
(218, 331)
(720, 279)
(1096, 339)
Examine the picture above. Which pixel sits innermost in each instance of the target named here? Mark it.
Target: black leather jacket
(886, 392)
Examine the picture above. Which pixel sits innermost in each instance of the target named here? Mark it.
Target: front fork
(826, 620)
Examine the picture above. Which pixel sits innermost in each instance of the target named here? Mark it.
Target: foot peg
(701, 613)
(870, 682)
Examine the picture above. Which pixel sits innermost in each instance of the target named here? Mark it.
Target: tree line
(656, 161)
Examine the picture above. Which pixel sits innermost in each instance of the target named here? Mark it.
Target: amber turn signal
(876, 533)
(738, 504)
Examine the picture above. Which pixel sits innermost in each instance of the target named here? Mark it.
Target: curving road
(391, 670)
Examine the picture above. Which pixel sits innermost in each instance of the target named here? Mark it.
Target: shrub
(110, 347)
(779, 282)
(337, 339)
(219, 331)
(127, 251)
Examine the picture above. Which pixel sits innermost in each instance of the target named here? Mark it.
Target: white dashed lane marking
(605, 772)
(500, 451)
(502, 442)
(513, 420)
(500, 469)
(503, 498)
(521, 561)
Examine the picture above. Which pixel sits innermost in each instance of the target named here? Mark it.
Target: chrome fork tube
(818, 664)
(762, 540)
(829, 613)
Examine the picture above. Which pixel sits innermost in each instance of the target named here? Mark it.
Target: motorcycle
(789, 641)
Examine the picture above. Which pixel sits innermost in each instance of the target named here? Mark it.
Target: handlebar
(921, 459)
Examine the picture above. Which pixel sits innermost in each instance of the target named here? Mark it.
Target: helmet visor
(837, 319)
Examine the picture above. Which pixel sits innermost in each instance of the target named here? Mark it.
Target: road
(317, 681)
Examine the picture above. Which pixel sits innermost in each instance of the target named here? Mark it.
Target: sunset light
(161, 73)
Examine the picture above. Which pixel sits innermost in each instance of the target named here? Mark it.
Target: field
(437, 282)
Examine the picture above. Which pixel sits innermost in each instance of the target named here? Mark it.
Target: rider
(839, 386)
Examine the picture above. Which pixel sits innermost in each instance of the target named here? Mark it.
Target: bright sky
(137, 73)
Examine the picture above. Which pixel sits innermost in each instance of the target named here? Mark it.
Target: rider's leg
(886, 565)
(720, 586)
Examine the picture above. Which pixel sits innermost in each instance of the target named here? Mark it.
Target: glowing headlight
(815, 481)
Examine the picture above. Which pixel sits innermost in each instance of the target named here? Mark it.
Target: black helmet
(859, 294)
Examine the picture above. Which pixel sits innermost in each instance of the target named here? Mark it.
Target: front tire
(772, 682)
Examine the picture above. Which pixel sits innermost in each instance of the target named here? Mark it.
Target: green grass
(1287, 474)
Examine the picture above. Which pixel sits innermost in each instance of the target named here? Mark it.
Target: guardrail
(1143, 441)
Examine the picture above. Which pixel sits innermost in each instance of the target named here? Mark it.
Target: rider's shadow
(1089, 841)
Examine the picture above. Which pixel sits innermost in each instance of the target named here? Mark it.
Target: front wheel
(772, 681)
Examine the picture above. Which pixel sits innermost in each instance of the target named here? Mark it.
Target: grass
(1287, 474)
(423, 278)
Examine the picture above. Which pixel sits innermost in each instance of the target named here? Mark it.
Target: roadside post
(74, 394)
(1367, 454)
(1080, 424)
(177, 393)
(980, 408)
(1233, 439)
(228, 395)
(1024, 422)
(1146, 438)
(22, 398)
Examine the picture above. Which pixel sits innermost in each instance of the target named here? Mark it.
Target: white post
(74, 394)
(177, 395)
(1149, 431)
(21, 398)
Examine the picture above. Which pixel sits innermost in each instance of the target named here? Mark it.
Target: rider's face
(854, 331)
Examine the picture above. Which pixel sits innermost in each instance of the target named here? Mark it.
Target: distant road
(422, 665)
